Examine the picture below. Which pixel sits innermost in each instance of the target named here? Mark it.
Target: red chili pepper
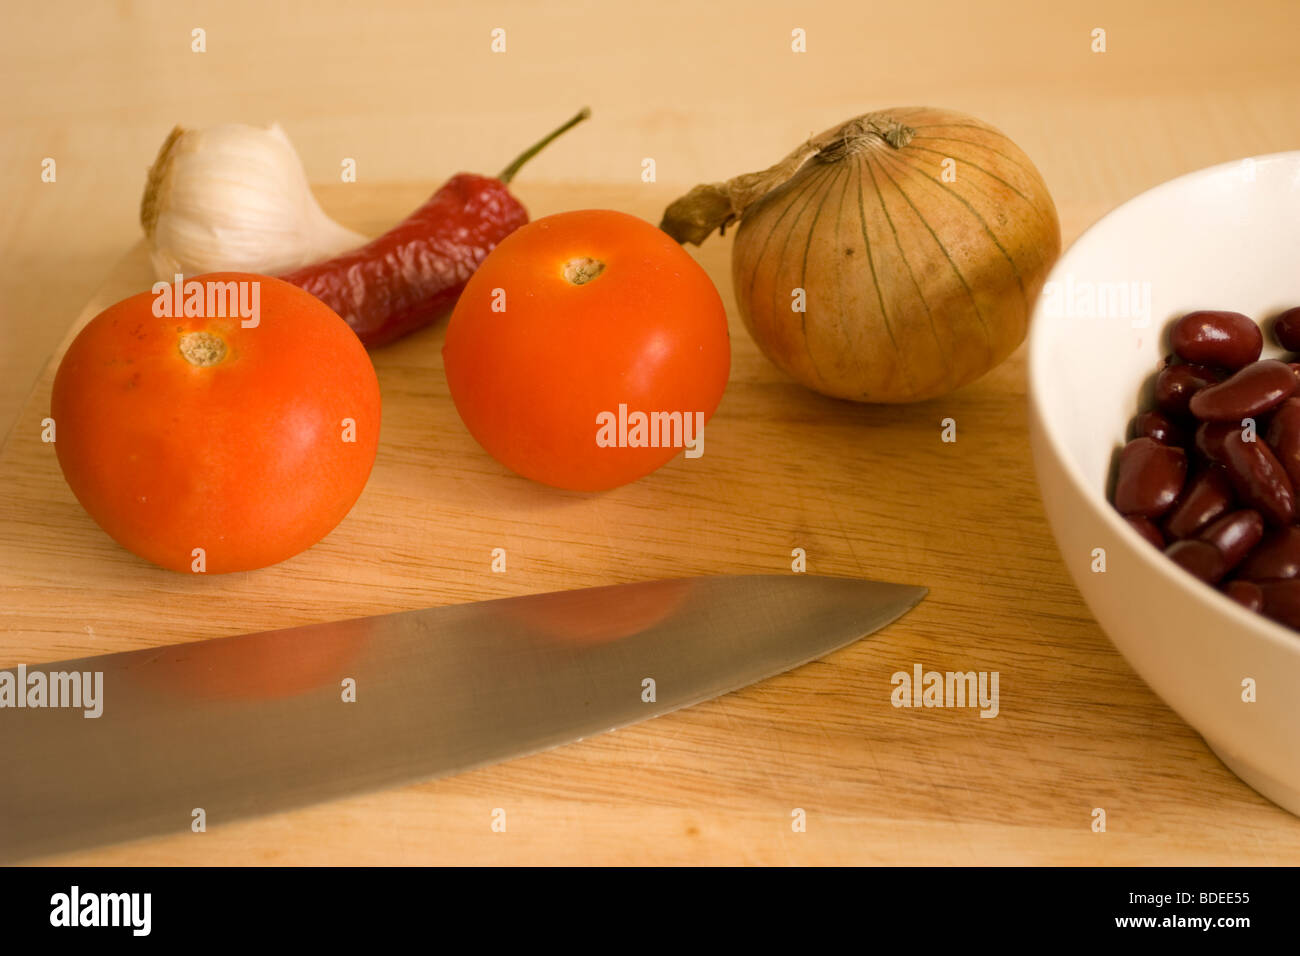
(407, 277)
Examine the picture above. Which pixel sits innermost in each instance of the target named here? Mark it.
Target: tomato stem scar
(202, 349)
(582, 271)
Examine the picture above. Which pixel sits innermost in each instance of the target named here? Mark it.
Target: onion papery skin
(913, 286)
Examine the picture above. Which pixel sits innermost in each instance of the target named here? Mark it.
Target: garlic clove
(235, 198)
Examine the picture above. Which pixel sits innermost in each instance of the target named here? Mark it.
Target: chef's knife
(246, 725)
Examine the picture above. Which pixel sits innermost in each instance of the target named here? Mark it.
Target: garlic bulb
(235, 198)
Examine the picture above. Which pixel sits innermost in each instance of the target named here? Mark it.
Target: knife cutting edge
(251, 724)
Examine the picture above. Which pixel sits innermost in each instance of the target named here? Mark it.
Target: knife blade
(251, 724)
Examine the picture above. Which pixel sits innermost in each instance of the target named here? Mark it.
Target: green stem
(508, 173)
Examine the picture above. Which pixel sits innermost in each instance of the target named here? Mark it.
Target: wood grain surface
(412, 92)
(866, 491)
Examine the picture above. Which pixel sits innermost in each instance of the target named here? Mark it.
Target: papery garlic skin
(235, 198)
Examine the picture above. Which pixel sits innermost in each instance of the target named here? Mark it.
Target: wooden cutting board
(865, 491)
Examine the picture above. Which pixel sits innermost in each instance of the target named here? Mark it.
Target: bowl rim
(1281, 636)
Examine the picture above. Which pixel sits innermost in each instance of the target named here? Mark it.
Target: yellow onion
(893, 258)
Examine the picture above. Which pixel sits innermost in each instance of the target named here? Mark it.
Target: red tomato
(577, 322)
(196, 432)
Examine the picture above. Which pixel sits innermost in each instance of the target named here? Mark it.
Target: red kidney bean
(1282, 601)
(1176, 384)
(1286, 329)
(1210, 436)
(1199, 558)
(1234, 514)
(1227, 339)
(1234, 535)
(1150, 477)
(1277, 557)
(1259, 479)
(1156, 425)
(1246, 593)
(1249, 392)
(1147, 528)
(1284, 437)
(1207, 496)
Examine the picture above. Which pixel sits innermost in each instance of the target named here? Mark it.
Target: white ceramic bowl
(1227, 237)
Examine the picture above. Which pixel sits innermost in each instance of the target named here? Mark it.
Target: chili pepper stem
(508, 173)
